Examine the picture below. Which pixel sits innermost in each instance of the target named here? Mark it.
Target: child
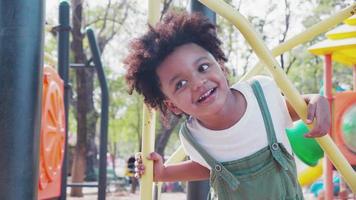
(234, 136)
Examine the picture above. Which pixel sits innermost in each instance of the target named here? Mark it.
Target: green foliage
(125, 115)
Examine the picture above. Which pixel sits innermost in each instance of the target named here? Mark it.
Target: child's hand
(158, 167)
(318, 109)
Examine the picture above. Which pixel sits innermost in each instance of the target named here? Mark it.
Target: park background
(116, 22)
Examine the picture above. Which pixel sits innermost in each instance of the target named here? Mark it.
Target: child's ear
(173, 108)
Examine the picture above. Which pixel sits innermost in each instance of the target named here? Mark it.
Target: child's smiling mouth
(206, 95)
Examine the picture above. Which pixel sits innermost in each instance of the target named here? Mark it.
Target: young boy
(234, 135)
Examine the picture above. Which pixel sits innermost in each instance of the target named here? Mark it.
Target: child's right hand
(158, 166)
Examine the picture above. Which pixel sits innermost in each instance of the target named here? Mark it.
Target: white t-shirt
(248, 135)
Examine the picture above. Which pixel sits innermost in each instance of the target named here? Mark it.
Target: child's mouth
(206, 95)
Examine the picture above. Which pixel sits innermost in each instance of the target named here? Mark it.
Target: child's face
(193, 82)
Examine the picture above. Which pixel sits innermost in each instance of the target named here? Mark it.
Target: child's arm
(184, 171)
(318, 109)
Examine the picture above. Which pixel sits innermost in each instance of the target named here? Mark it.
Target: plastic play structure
(341, 47)
(34, 105)
(334, 153)
(52, 135)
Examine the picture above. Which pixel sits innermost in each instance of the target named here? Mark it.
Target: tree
(307, 71)
(85, 150)
(84, 102)
(167, 126)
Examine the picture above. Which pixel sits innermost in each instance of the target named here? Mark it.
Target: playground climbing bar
(149, 118)
(63, 71)
(305, 36)
(104, 115)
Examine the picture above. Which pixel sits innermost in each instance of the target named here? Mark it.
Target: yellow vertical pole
(148, 128)
(284, 83)
(305, 36)
(148, 139)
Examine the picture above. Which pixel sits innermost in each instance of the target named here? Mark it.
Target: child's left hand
(318, 111)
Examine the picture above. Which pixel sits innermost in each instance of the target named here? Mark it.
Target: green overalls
(269, 174)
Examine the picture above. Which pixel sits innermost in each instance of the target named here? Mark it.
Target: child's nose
(199, 83)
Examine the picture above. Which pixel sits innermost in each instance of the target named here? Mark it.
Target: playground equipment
(340, 46)
(148, 125)
(21, 24)
(288, 89)
(28, 146)
(52, 136)
(63, 63)
(310, 174)
(306, 149)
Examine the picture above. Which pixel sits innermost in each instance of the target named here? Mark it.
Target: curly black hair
(148, 52)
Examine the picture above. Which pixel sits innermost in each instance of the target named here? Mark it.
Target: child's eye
(180, 84)
(203, 67)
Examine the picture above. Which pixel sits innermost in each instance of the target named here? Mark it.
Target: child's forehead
(188, 51)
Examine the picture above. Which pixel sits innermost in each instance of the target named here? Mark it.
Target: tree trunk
(164, 134)
(78, 169)
(86, 115)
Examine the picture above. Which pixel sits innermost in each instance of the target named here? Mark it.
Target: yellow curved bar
(284, 83)
(177, 156)
(148, 128)
(305, 36)
(310, 174)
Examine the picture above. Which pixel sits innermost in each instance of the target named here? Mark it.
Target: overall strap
(271, 134)
(215, 166)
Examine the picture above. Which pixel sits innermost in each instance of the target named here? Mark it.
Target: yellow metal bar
(154, 11)
(305, 36)
(177, 156)
(284, 83)
(148, 128)
(148, 139)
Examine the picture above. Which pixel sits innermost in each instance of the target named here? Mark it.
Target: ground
(129, 196)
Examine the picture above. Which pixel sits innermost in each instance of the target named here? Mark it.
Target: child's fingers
(139, 166)
(316, 131)
(155, 157)
(320, 128)
(138, 176)
(152, 156)
(139, 170)
(138, 157)
(311, 113)
(320, 111)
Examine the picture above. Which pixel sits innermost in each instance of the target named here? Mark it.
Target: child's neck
(235, 108)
